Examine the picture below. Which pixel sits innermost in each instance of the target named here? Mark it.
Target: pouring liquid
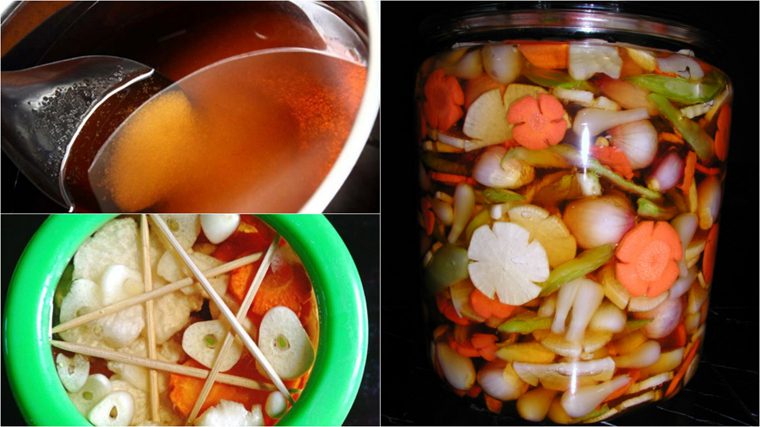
(257, 132)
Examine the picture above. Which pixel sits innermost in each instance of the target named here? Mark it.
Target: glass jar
(572, 167)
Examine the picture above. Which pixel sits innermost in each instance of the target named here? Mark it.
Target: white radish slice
(486, 118)
(169, 268)
(185, 228)
(581, 97)
(457, 369)
(502, 62)
(72, 371)
(203, 340)
(119, 282)
(227, 414)
(116, 409)
(275, 405)
(534, 405)
(650, 382)
(501, 382)
(645, 355)
(284, 342)
(218, 227)
(584, 399)
(95, 388)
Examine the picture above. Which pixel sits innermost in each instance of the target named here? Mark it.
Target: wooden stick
(229, 336)
(149, 320)
(160, 365)
(156, 293)
(225, 311)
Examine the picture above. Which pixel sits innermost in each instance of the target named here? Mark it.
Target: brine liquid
(254, 133)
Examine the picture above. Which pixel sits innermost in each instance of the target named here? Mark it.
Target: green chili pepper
(691, 132)
(537, 158)
(500, 195)
(482, 218)
(581, 265)
(525, 324)
(633, 325)
(431, 161)
(554, 78)
(680, 89)
(651, 210)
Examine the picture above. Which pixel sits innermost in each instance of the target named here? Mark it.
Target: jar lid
(612, 22)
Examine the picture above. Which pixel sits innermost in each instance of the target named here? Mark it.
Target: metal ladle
(46, 108)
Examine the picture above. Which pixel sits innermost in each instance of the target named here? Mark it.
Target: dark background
(359, 232)
(724, 390)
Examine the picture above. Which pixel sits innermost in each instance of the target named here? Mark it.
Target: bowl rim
(342, 348)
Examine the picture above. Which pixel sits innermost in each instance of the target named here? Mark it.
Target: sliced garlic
(72, 371)
(116, 409)
(203, 340)
(218, 227)
(275, 405)
(95, 388)
(119, 282)
(285, 344)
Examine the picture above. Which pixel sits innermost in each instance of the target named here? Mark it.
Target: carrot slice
(494, 405)
(487, 307)
(669, 137)
(708, 256)
(447, 309)
(684, 367)
(451, 179)
(677, 338)
(183, 391)
(443, 100)
(633, 376)
(483, 340)
(688, 172)
(614, 158)
(546, 55)
(474, 391)
(429, 222)
(284, 284)
(705, 170)
(489, 353)
(539, 122)
(647, 258)
(722, 134)
(251, 236)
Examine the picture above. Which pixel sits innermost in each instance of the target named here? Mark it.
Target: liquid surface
(257, 133)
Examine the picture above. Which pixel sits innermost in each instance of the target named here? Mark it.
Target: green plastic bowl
(341, 353)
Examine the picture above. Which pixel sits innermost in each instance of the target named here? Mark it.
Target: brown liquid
(233, 170)
(257, 133)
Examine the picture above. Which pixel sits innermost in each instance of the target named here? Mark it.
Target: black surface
(724, 390)
(359, 232)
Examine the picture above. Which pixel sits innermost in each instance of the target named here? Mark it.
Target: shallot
(638, 140)
(596, 221)
(501, 381)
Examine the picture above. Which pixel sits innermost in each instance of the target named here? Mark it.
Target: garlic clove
(502, 62)
(457, 369)
(469, 66)
(534, 405)
(708, 201)
(218, 227)
(285, 344)
(119, 282)
(203, 340)
(115, 409)
(73, 371)
(275, 405)
(94, 389)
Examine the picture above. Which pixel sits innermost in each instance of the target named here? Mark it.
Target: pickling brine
(570, 204)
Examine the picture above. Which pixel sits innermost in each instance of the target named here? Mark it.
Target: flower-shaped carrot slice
(539, 122)
(443, 100)
(647, 258)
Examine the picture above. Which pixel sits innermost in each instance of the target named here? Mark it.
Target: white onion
(638, 140)
(501, 382)
(598, 221)
(708, 201)
(666, 173)
(490, 171)
(665, 318)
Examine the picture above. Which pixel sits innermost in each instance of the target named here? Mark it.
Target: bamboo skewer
(149, 320)
(156, 293)
(160, 365)
(225, 311)
(230, 336)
